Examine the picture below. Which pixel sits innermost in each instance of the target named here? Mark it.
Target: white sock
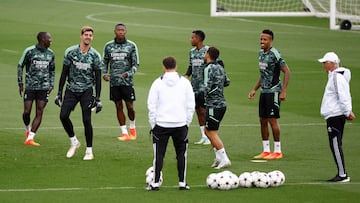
(217, 157)
(88, 150)
(182, 184)
(74, 140)
(27, 128)
(123, 129)
(277, 147)
(202, 130)
(266, 145)
(222, 154)
(132, 124)
(31, 136)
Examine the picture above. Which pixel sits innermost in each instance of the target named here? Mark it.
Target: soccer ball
(232, 178)
(261, 180)
(279, 176)
(223, 182)
(275, 179)
(246, 180)
(211, 181)
(150, 176)
(149, 170)
(234, 181)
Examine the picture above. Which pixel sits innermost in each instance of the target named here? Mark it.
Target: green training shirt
(81, 68)
(214, 80)
(122, 58)
(196, 62)
(40, 68)
(270, 63)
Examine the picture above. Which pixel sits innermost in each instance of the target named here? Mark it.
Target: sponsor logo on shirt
(40, 64)
(82, 66)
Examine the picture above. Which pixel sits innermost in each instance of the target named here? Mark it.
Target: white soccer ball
(280, 176)
(149, 170)
(262, 180)
(150, 176)
(275, 179)
(234, 181)
(246, 180)
(223, 182)
(232, 178)
(211, 181)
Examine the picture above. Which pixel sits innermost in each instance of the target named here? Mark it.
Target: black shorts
(30, 95)
(72, 98)
(269, 105)
(200, 100)
(126, 93)
(214, 117)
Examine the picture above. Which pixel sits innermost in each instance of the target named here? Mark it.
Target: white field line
(10, 51)
(143, 188)
(142, 126)
(139, 9)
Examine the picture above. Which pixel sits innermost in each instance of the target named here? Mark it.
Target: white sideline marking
(143, 188)
(139, 9)
(10, 51)
(222, 125)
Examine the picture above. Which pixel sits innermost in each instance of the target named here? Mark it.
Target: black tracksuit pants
(161, 137)
(335, 127)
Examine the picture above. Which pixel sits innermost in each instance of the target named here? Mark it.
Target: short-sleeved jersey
(40, 68)
(270, 63)
(81, 68)
(122, 58)
(214, 80)
(196, 62)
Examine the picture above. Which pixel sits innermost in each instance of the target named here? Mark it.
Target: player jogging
(39, 61)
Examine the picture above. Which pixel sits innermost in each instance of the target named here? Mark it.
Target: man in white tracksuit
(336, 107)
(171, 105)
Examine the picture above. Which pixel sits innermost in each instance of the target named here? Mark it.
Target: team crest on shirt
(329, 129)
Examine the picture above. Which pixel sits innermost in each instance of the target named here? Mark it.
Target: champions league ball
(211, 181)
(150, 176)
(232, 178)
(262, 180)
(277, 178)
(225, 180)
(246, 180)
(149, 170)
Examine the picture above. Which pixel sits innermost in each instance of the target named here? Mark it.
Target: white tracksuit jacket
(337, 98)
(171, 101)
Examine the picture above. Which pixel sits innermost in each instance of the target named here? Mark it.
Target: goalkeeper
(82, 68)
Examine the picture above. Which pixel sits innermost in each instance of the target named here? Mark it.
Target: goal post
(342, 14)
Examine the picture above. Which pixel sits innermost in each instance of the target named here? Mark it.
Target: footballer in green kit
(39, 61)
(82, 69)
(121, 61)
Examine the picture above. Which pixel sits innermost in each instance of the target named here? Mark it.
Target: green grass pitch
(161, 28)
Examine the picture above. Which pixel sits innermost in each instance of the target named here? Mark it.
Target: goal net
(344, 14)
